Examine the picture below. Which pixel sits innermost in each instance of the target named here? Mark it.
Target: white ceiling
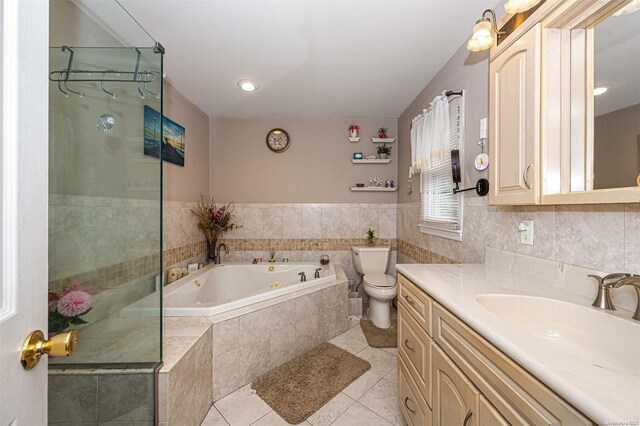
(312, 58)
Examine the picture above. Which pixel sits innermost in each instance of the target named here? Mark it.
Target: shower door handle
(35, 345)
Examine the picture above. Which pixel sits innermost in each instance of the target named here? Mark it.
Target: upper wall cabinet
(565, 106)
(515, 121)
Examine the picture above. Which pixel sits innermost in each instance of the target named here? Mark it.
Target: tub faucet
(633, 281)
(603, 298)
(217, 258)
(317, 274)
(256, 260)
(303, 277)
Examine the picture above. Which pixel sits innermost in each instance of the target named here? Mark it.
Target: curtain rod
(446, 93)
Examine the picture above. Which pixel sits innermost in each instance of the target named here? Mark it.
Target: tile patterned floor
(371, 400)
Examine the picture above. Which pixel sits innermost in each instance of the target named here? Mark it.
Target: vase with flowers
(353, 130)
(213, 221)
(382, 132)
(67, 306)
(370, 237)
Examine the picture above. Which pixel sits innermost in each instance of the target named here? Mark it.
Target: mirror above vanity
(565, 106)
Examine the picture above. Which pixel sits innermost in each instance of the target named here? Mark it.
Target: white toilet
(372, 262)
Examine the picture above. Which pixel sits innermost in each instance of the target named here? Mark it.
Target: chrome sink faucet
(603, 298)
(633, 281)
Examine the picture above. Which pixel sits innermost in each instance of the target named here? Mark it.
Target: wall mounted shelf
(376, 161)
(372, 189)
(354, 139)
(383, 140)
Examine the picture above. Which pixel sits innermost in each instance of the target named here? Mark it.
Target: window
(440, 208)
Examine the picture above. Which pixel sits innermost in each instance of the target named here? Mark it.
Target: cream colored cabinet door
(455, 398)
(514, 117)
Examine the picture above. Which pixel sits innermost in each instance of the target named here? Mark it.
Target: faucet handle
(303, 276)
(610, 280)
(317, 274)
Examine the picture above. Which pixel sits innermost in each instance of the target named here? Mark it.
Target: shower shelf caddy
(141, 77)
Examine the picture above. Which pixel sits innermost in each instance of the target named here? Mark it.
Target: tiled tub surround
(207, 358)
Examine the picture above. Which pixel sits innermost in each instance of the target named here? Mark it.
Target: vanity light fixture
(601, 89)
(248, 85)
(632, 6)
(482, 37)
(518, 6)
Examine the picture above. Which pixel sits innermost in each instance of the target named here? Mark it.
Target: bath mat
(379, 337)
(300, 387)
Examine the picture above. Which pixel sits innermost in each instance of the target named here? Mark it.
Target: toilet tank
(370, 260)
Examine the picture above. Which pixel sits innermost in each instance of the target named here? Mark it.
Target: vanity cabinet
(449, 374)
(514, 121)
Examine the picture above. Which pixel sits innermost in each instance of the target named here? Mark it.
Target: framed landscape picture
(166, 133)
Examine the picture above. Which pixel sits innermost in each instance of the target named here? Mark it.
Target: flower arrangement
(382, 132)
(67, 306)
(213, 220)
(370, 237)
(353, 129)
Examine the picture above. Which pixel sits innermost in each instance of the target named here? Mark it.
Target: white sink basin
(587, 334)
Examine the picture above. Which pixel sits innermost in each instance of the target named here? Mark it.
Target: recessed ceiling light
(248, 85)
(601, 89)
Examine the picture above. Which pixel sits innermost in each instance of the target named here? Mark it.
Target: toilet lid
(379, 280)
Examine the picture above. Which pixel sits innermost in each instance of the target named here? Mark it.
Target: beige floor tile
(381, 361)
(392, 376)
(358, 415)
(392, 351)
(361, 385)
(382, 399)
(331, 410)
(273, 419)
(348, 343)
(242, 407)
(356, 333)
(214, 418)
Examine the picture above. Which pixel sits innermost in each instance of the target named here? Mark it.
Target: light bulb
(601, 89)
(482, 37)
(248, 85)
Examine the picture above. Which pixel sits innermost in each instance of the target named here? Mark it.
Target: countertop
(604, 396)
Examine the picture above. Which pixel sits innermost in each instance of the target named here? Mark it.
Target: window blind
(440, 208)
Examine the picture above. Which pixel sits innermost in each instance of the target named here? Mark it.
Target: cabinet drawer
(414, 345)
(517, 395)
(416, 301)
(414, 408)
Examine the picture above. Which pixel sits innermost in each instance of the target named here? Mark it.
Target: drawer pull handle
(409, 300)
(406, 343)
(467, 417)
(406, 400)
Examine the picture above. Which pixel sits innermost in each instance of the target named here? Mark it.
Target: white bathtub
(221, 288)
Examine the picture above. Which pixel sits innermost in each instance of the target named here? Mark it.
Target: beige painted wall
(617, 136)
(463, 71)
(316, 168)
(188, 182)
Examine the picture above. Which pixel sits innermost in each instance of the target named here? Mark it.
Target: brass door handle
(406, 400)
(63, 344)
(406, 343)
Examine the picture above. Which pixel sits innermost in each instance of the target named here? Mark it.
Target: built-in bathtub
(222, 288)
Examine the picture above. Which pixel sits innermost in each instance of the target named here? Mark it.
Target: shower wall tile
(387, 221)
(350, 221)
(311, 221)
(273, 220)
(292, 221)
(331, 221)
(369, 219)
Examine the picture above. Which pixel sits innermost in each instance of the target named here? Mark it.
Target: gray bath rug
(300, 387)
(378, 337)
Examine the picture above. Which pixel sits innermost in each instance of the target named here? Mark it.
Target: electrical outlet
(526, 232)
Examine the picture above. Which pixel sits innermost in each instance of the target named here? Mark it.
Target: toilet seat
(379, 280)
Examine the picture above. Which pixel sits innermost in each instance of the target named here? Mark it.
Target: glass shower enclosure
(105, 217)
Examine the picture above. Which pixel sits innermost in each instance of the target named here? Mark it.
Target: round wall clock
(278, 140)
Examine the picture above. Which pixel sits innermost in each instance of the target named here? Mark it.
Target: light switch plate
(525, 228)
